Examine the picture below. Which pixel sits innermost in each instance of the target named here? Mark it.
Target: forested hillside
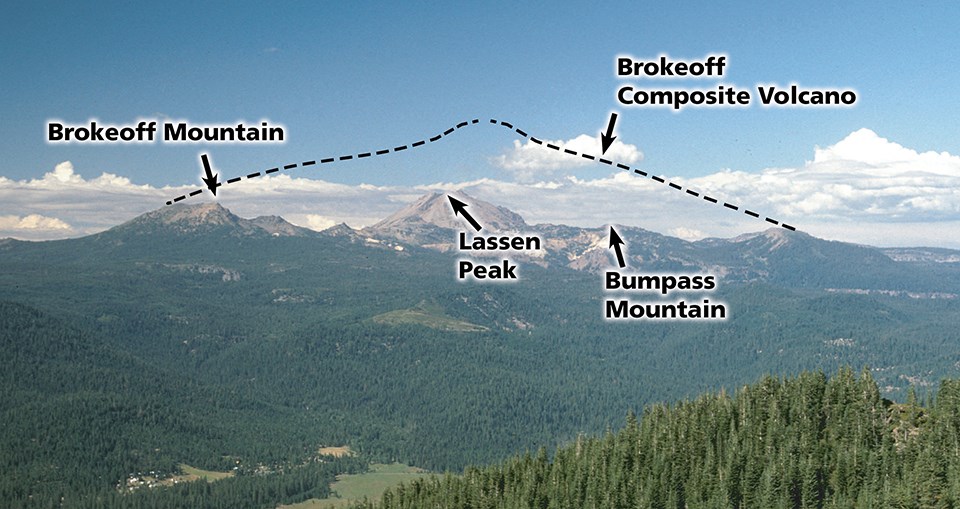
(803, 442)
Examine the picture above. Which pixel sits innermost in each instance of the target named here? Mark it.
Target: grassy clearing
(336, 452)
(208, 475)
(370, 485)
(427, 315)
(190, 474)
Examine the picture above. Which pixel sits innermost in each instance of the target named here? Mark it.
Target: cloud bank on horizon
(864, 189)
(529, 161)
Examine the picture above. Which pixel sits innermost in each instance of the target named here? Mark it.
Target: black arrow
(606, 139)
(461, 208)
(211, 178)
(615, 243)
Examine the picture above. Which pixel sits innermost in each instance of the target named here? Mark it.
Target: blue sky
(345, 77)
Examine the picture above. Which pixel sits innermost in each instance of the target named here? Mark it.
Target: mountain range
(196, 336)
(777, 256)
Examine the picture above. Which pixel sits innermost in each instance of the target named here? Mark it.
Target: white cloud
(528, 159)
(315, 222)
(62, 173)
(862, 178)
(866, 147)
(63, 204)
(34, 222)
(686, 233)
(862, 189)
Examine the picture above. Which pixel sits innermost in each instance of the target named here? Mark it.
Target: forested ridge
(804, 442)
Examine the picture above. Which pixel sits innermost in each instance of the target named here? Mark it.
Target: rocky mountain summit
(207, 218)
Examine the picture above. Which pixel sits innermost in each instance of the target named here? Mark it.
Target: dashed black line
(508, 125)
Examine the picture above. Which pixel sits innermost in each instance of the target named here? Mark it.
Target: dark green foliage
(805, 442)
